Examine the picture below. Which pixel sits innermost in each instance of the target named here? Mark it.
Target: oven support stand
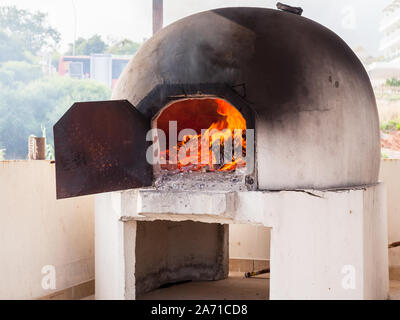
(324, 245)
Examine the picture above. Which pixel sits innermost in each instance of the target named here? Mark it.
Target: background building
(388, 66)
(390, 28)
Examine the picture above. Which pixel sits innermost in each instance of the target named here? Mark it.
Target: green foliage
(18, 71)
(25, 107)
(95, 44)
(393, 82)
(124, 47)
(55, 59)
(30, 103)
(10, 48)
(2, 154)
(86, 47)
(29, 29)
(391, 125)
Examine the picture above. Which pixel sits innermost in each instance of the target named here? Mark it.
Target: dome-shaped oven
(301, 95)
(314, 110)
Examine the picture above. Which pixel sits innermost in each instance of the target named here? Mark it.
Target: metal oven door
(101, 147)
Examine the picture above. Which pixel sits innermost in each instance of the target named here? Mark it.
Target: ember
(216, 140)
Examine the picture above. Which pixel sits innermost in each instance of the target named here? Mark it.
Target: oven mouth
(206, 134)
(202, 140)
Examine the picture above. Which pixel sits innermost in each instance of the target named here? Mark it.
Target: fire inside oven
(201, 135)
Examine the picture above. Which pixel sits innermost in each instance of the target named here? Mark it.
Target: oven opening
(200, 135)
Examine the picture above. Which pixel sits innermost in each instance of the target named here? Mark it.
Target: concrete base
(324, 245)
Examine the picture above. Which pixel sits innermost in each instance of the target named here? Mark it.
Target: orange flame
(231, 128)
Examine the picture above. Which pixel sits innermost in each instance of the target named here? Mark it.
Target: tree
(29, 28)
(88, 46)
(125, 46)
(393, 82)
(55, 59)
(24, 108)
(11, 48)
(14, 72)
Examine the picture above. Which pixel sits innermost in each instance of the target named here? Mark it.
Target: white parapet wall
(38, 232)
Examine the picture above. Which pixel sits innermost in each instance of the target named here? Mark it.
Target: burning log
(216, 145)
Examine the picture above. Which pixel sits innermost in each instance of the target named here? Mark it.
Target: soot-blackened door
(101, 147)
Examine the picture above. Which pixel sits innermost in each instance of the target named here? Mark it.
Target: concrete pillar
(114, 250)
(333, 247)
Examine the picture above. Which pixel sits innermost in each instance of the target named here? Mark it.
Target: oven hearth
(199, 181)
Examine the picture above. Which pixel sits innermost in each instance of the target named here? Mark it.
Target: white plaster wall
(249, 242)
(390, 175)
(37, 230)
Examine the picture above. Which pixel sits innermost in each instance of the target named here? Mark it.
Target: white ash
(206, 181)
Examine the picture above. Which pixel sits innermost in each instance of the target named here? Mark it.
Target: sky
(356, 21)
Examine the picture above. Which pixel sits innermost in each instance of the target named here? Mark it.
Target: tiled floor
(236, 287)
